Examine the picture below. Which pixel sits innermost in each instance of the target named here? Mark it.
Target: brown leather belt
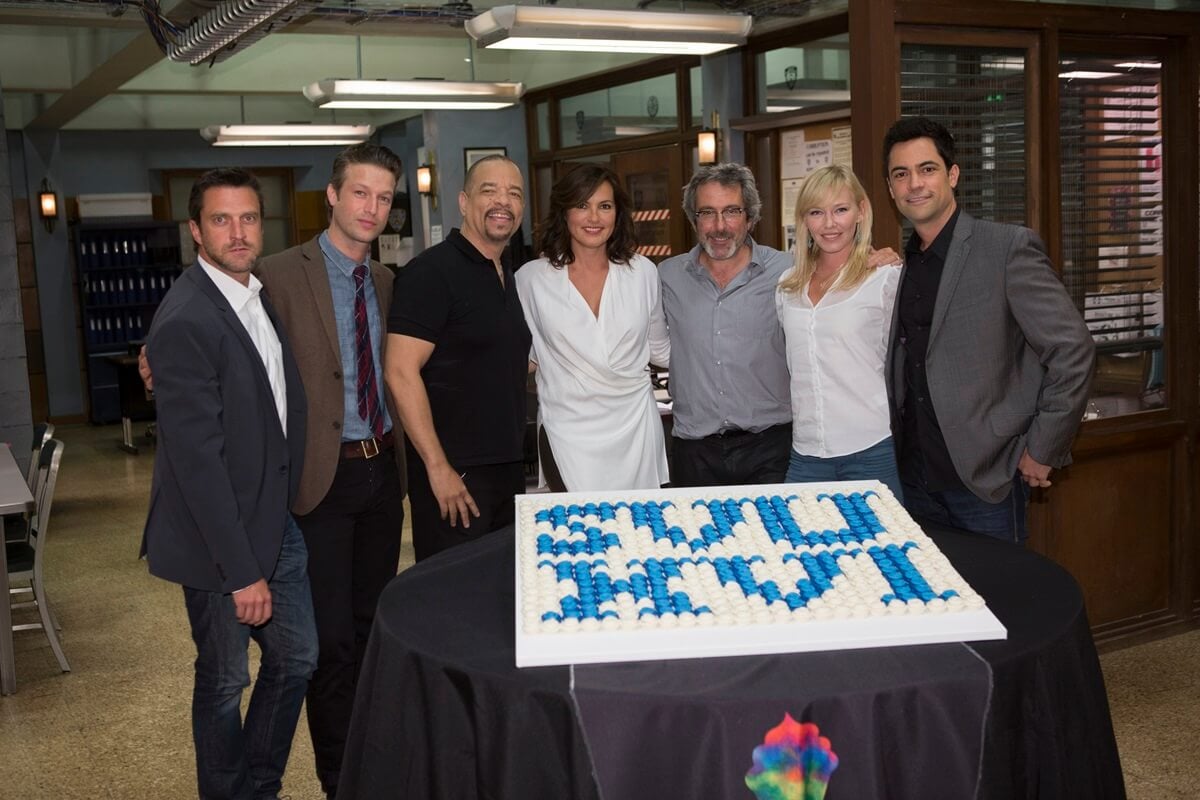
(367, 448)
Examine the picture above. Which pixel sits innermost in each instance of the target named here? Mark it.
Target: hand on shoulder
(884, 257)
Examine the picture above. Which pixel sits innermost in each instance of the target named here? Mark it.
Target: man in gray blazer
(989, 362)
(231, 419)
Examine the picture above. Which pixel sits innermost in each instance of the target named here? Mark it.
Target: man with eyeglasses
(729, 376)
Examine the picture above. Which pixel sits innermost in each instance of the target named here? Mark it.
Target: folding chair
(25, 558)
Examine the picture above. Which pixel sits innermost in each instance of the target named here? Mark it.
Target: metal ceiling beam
(133, 59)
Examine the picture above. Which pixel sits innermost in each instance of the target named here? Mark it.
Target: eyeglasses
(729, 214)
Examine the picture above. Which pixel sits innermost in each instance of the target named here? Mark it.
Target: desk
(442, 712)
(14, 499)
(135, 403)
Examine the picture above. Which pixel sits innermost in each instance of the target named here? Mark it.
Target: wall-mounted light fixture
(48, 205)
(427, 183)
(708, 142)
(550, 27)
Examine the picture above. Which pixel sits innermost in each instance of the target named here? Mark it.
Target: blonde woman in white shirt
(592, 305)
(836, 312)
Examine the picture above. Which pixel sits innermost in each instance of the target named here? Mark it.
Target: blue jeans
(960, 508)
(877, 462)
(244, 761)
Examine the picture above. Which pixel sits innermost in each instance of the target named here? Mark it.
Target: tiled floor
(118, 726)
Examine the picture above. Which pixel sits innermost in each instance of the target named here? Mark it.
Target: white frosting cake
(689, 572)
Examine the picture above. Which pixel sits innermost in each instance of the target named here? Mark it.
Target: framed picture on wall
(473, 154)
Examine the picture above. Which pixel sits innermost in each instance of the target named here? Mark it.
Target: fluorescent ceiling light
(479, 95)
(1139, 65)
(285, 135)
(594, 30)
(1085, 74)
(1004, 64)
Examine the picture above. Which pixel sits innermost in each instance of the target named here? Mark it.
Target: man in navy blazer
(989, 363)
(231, 422)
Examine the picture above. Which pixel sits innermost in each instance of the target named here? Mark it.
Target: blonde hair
(819, 186)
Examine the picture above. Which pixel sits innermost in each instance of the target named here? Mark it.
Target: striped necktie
(368, 392)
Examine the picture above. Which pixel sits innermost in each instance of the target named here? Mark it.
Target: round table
(443, 712)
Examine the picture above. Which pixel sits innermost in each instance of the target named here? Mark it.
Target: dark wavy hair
(221, 177)
(909, 128)
(552, 238)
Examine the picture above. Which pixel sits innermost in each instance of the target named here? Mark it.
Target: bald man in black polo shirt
(457, 359)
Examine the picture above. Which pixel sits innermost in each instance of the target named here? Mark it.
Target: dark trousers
(732, 459)
(353, 538)
(960, 508)
(493, 487)
(245, 760)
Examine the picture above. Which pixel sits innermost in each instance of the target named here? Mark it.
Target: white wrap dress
(595, 399)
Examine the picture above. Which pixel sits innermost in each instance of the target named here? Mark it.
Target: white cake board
(533, 650)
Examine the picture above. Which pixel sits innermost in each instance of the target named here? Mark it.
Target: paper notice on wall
(788, 191)
(435, 235)
(395, 249)
(791, 154)
(817, 154)
(1113, 256)
(843, 153)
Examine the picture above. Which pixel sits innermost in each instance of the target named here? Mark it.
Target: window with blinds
(1112, 220)
(978, 93)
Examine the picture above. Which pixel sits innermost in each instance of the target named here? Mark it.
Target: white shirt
(595, 400)
(249, 309)
(835, 353)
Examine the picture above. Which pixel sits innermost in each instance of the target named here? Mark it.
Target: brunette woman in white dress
(836, 312)
(592, 305)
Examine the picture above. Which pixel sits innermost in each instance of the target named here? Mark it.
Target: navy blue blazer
(224, 474)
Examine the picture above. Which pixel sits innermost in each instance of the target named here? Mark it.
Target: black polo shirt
(923, 454)
(475, 377)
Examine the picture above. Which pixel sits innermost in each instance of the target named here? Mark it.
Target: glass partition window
(696, 85)
(633, 109)
(815, 74)
(979, 94)
(1110, 123)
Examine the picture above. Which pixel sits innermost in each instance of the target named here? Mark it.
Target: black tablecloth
(442, 712)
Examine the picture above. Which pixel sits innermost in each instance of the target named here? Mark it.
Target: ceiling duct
(233, 26)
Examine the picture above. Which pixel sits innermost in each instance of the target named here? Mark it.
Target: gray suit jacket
(225, 475)
(1010, 360)
(298, 285)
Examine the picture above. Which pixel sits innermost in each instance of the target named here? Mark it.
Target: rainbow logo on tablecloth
(794, 762)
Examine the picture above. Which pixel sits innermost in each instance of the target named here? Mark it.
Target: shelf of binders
(118, 304)
(125, 269)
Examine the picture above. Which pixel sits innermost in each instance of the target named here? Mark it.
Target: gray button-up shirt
(728, 365)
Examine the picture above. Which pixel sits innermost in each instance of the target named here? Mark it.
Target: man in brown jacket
(333, 301)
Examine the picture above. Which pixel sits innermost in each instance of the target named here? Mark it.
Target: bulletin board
(801, 150)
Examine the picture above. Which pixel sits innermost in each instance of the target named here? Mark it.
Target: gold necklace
(823, 283)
